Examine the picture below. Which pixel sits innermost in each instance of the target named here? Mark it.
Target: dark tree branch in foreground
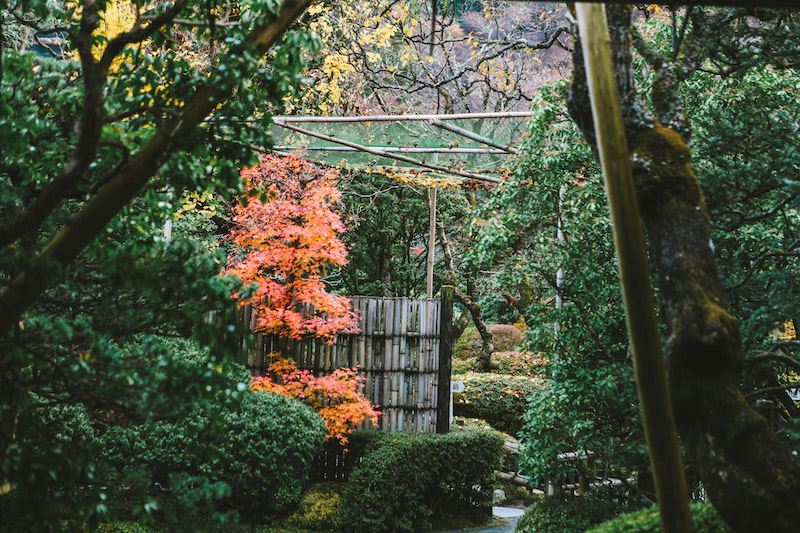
(127, 183)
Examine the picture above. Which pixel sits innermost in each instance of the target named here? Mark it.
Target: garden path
(509, 515)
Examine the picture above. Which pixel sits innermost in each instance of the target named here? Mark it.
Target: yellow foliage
(199, 202)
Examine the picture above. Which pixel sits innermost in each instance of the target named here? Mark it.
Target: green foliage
(580, 410)
(517, 363)
(589, 401)
(747, 152)
(387, 234)
(124, 527)
(407, 480)
(255, 450)
(575, 514)
(705, 517)
(96, 336)
(499, 399)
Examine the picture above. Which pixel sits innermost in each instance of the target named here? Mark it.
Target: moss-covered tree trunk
(750, 476)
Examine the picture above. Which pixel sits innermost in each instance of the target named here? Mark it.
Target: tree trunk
(484, 361)
(750, 476)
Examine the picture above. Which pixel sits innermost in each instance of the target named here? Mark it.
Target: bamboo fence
(397, 350)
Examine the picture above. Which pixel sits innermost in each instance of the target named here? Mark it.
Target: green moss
(663, 165)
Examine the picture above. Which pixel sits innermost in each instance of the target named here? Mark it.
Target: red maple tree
(335, 397)
(286, 238)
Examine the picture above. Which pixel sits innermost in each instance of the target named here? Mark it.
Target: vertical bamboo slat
(396, 351)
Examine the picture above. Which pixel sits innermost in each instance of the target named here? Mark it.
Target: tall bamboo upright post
(445, 353)
(634, 272)
(431, 240)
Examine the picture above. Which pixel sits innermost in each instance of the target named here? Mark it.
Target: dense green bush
(499, 399)
(575, 514)
(52, 457)
(405, 480)
(705, 517)
(255, 451)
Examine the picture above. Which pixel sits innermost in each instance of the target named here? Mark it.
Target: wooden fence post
(445, 353)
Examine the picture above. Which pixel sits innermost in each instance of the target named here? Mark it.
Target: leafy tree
(387, 223)
(286, 237)
(336, 397)
(546, 234)
(739, 458)
(97, 145)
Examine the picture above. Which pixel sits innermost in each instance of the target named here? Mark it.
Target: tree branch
(124, 186)
(775, 356)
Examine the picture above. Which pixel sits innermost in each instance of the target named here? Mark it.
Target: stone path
(508, 515)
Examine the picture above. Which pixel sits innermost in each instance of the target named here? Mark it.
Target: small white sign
(456, 386)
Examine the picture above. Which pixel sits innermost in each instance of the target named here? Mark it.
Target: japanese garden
(399, 266)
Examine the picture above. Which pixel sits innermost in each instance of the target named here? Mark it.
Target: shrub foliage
(405, 480)
(499, 399)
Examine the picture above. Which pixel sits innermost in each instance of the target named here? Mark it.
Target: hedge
(405, 480)
(575, 514)
(255, 453)
(705, 517)
(499, 399)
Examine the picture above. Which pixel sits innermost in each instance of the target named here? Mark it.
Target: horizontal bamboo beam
(382, 153)
(401, 149)
(398, 118)
(472, 136)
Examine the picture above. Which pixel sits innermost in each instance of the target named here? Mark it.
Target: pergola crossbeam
(400, 118)
(400, 149)
(280, 121)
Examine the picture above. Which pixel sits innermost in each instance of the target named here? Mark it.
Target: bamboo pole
(389, 155)
(634, 272)
(394, 149)
(431, 240)
(473, 136)
(398, 118)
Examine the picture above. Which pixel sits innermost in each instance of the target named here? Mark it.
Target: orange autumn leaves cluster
(286, 236)
(335, 397)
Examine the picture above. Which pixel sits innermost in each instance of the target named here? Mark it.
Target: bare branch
(763, 257)
(775, 356)
(794, 385)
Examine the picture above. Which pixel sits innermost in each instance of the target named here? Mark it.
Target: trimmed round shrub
(405, 480)
(499, 399)
(255, 452)
(575, 514)
(505, 338)
(706, 520)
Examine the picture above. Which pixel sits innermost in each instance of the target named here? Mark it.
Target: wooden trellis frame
(396, 153)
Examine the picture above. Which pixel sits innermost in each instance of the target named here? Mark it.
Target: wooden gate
(399, 351)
